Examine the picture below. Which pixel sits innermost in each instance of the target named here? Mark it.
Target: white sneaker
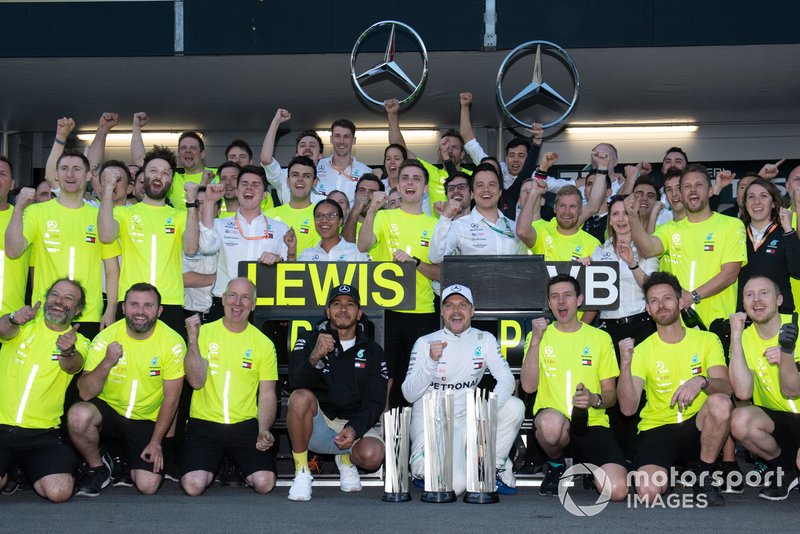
(349, 480)
(301, 486)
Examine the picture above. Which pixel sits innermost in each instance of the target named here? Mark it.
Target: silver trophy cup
(481, 437)
(396, 423)
(438, 409)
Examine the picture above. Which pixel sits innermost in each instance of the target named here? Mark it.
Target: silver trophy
(396, 423)
(438, 408)
(481, 437)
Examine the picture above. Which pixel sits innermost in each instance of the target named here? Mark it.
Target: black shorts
(787, 429)
(207, 441)
(598, 446)
(668, 445)
(40, 452)
(133, 434)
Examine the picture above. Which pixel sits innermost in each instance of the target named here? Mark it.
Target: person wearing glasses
(328, 218)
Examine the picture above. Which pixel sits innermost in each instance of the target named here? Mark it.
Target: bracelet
(706, 382)
(636, 266)
(194, 204)
(598, 171)
(59, 141)
(540, 172)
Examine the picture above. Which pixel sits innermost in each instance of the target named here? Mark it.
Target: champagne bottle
(692, 319)
(580, 417)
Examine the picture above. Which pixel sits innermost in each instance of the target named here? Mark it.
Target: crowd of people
(124, 319)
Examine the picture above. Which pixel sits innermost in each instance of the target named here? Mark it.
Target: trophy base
(402, 496)
(481, 498)
(438, 496)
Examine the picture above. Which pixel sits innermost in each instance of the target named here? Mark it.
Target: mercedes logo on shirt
(389, 68)
(543, 97)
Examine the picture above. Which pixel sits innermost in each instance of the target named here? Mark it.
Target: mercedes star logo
(388, 67)
(538, 88)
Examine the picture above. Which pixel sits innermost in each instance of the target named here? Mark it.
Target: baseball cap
(457, 289)
(346, 290)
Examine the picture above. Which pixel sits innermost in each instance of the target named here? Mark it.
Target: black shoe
(779, 489)
(16, 480)
(530, 468)
(712, 494)
(229, 475)
(94, 480)
(550, 483)
(732, 478)
(121, 475)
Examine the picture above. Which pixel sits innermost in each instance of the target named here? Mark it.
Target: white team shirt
(342, 251)
(473, 235)
(460, 369)
(332, 180)
(230, 237)
(631, 296)
(199, 298)
(279, 179)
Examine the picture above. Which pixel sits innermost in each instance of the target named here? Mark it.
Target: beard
(666, 320)
(160, 195)
(140, 328)
(61, 318)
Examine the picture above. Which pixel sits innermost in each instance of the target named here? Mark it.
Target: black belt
(630, 319)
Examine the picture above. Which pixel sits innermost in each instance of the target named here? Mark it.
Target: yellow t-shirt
(152, 243)
(302, 220)
(698, 250)
(766, 377)
(237, 362)
(13, 273)
(176, 194)
(64, 243)
(399, 230)
(436, 178)
(569, 358)
(664, 261)
(556, 246)
(134, 386)
(32, 383)
(665, 366)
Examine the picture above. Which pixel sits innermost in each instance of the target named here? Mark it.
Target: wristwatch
(599, 404)
(192, 204)
(11, 319)
(696, 298)
(706, 382)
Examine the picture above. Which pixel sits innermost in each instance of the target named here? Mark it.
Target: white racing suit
(460, 369)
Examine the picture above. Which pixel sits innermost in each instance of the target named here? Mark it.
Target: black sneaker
(15, 480)
(229, 475)
(732, 478)
(550, 483)
(779, 488)
(95, 479)
(712, 493)
(121, 474)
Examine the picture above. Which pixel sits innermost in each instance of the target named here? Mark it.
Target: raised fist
(437, 349)
(113, 352)
(140, 119)
(392, 106)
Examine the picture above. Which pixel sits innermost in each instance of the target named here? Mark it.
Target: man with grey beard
(130, 384)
